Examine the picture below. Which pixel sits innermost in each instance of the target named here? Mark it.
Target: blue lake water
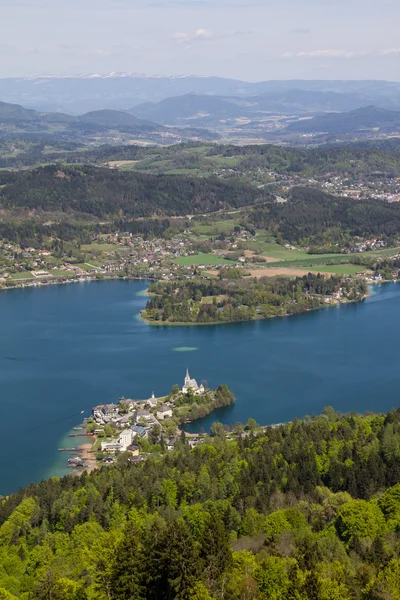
(66, 348)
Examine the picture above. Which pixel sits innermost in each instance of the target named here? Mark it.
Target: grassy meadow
(203, 259)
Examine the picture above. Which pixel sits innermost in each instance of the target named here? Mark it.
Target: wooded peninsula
(234, 297)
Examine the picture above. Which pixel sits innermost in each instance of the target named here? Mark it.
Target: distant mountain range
(211, 111)
(122, 91)
(351, 122)
(15, 119)
(101, 118)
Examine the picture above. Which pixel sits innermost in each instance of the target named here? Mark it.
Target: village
(110, 256)
(132, 426)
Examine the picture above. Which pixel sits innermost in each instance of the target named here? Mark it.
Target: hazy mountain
(187, 107)
(349, 122)
(108, 119)
(310, 101)
(212, 111)
(109, 125)
(122, 91)
(118, 119)
(14, 111)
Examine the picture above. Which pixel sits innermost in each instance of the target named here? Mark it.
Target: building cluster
(131, 418)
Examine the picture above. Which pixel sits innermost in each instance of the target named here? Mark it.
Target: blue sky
(252, 40)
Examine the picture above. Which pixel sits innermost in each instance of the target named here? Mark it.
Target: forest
(309, 510)
(234, 297)
(315, 217)
(101, 192)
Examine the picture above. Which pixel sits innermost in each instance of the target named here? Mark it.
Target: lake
(66, 348)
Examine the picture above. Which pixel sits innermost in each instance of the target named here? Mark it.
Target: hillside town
(130, 426)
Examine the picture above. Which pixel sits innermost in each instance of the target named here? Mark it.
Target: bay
(66, 348)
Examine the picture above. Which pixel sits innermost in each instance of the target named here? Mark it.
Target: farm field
(217, 227)
(22, 275)
(98, 247)
(202, 259)
(61, 273)
(345, 269)
(333, 259)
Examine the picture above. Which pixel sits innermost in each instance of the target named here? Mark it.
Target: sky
(253, 40)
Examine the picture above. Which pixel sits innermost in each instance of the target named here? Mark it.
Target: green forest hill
(309, 510)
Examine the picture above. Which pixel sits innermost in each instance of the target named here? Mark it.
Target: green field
(224, 161)
(346, 269)
(181, 172)
(61, 273)
(85, 267)
(203, 259)
(333, 259)
(22, 275)
(216, 227)
(268, 247)
(98, 247)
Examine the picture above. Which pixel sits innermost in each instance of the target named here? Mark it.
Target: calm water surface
(65, 348)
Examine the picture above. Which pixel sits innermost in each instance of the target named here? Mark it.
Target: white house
(164, 412)
(125, 439)
(121, 444)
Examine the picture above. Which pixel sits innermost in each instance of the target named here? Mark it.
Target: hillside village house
(143, 414)
(121, 444)
(164, 412)
(105, 413)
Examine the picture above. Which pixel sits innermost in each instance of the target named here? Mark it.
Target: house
(139, 430)
(143, 414)
(192, 385)
(133, 450)
(109, 411)
(103, 413)
(130, 404)
(121, 444)
(164, 412)
(125, 439)
(125, 419)
(110, 447)
(152, 402)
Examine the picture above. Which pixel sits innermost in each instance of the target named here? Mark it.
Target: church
(192, 384)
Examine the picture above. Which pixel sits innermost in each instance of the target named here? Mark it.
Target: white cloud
(327, 54)
(339, 53)
(390, 51)
(203, 35)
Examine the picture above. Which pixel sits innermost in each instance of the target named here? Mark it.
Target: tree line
(309, 510)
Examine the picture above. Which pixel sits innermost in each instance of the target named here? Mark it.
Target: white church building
(192, 384)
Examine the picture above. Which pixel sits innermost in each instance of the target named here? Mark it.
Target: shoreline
(37, 283)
